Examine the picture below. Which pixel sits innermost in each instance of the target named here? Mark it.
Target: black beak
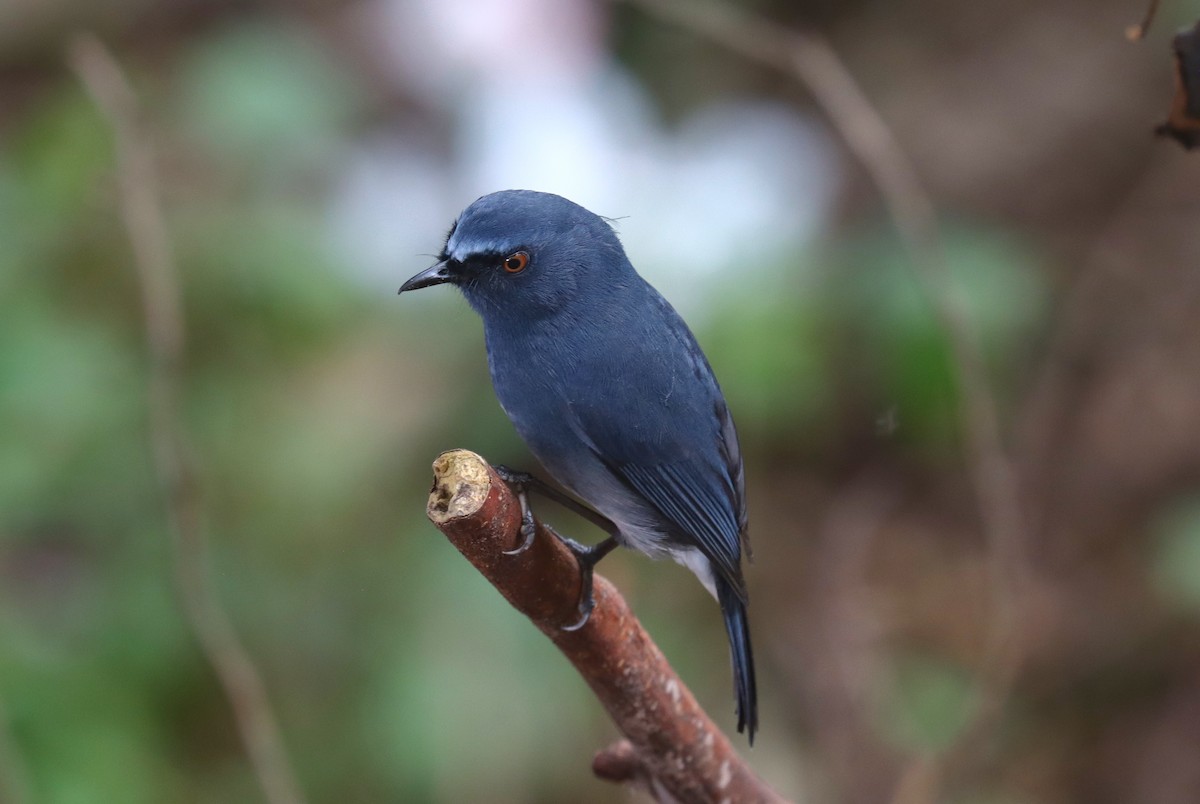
(434, 275)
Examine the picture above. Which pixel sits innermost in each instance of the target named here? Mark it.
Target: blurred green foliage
(384, 654)
(1176, 560)
(927, 704)
(315, 402)
(264, 94)
(296, 383)
(809, 325)
(1002, 296)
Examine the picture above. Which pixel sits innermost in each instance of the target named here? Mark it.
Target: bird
(612, 394)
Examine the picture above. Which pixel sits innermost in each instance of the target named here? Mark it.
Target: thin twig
(813, 62)
(165, 333)
(673, 749)
(1135, 33)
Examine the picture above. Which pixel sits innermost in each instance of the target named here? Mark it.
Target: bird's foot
(519, 482)
(528, 527)
(512, 477)
(587, 558)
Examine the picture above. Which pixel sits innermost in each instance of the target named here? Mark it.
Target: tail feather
(745, 689)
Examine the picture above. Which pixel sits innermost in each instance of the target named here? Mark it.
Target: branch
(162, 307)
(673, 749)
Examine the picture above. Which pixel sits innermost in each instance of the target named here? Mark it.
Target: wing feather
(685, 495)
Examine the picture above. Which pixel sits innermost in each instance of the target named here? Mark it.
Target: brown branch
(674, 750)
(165, 333)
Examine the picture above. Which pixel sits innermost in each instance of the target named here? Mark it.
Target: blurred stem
(812, 61)
(1137, 32)
(165, 335)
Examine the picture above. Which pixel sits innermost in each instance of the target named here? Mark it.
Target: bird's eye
(515, 263)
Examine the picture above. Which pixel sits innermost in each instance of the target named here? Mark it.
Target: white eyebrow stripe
(464, 250)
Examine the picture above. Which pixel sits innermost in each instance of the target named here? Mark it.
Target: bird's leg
(523, 481)
(586, 557)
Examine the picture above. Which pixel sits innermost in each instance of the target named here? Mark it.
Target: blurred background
(311, 156)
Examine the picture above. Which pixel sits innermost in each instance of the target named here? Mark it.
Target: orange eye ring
(515, 263)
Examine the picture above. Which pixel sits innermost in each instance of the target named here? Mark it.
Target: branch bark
(673, 749)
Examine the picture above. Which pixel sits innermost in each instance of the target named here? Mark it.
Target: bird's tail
(733, 607)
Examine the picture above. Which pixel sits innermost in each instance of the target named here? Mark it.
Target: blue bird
(609, 389)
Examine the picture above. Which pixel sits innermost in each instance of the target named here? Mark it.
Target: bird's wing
(731, 455)
(696, 506)
(682, 460)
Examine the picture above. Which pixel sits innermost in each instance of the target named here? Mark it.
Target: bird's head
(525, 254)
